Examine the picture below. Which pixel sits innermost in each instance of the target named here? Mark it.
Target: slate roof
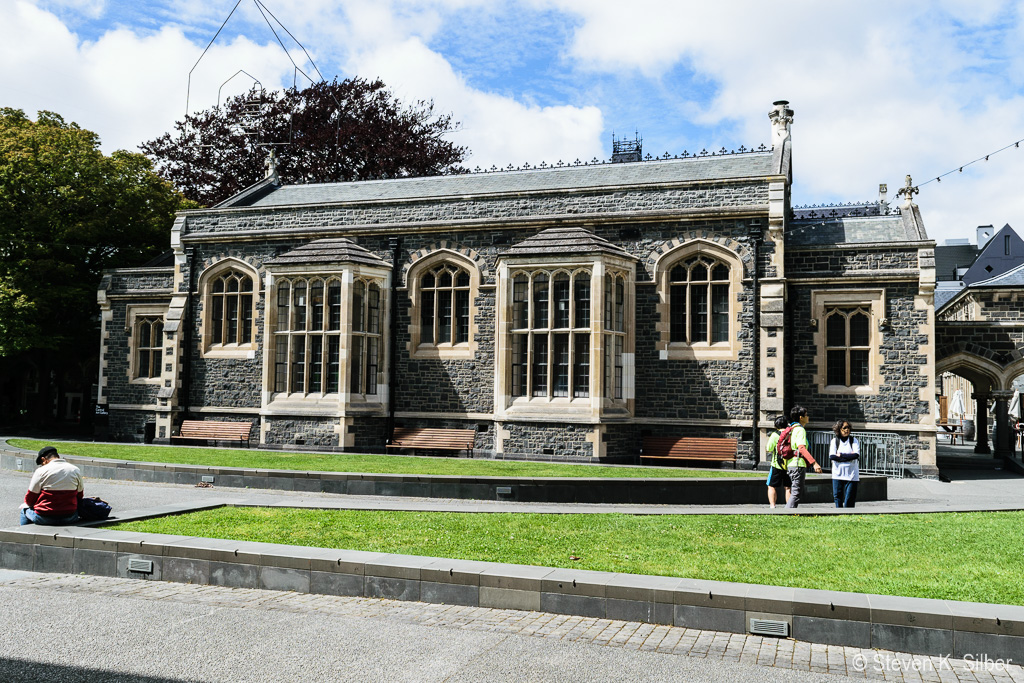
(944, 296)
(729, 166)
(850, 230)
(331, 250)
(949, 257)
(565, 241)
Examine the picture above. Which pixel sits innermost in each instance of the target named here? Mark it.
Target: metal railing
(880, 452)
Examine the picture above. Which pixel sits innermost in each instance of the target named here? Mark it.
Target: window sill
(236, 351)
(838, 389)
(152, 381)
(680, 351)
(463, 351)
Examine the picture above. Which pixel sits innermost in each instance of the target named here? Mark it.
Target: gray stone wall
(898, 399)
(117, 354)
(134, 280)
(307, 432)
(369, 433)
(831, 262)
(482, 208)
(129, 425)
(1000, 344)
(548, 440)
(691, 389)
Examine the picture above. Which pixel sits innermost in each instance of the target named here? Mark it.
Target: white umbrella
(957, 407)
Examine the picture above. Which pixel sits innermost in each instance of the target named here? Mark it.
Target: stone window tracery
(309, 337)
(847, 340)
(550, 334)
(230, 294)
(149, 339)
(442, 291)
(444, 305)
(698, 284)
(847, 346)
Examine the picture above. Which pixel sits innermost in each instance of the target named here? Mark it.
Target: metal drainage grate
(769, 627)
(140, 566)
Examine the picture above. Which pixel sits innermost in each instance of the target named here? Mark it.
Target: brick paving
(756, 650)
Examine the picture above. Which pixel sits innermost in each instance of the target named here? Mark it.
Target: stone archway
(991, 381)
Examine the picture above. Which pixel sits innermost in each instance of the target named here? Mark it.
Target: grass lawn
(357, 462)
(957, 556)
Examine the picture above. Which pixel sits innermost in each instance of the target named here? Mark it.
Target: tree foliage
(339, 131)
(67, 212)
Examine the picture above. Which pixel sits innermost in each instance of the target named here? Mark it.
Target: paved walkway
(553, 645)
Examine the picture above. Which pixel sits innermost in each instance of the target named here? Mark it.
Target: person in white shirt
(844, 452)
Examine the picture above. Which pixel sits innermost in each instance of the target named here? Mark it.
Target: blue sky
(880, 89)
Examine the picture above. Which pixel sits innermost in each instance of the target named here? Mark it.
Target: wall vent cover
(769, 627)
(140, 566)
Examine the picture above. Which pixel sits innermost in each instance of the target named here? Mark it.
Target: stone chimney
(985, 233)
(781, 117)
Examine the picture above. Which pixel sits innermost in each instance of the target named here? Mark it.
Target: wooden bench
(667, 448)
(425, 439)
(211, 430)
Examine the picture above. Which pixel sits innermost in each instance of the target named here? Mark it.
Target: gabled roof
(565, 241)
(994, 259)
(1011, 278)
(572, 177)
(333, 250)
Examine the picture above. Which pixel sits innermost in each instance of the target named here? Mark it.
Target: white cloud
(879, 90)
(128, 88)
(499, 130)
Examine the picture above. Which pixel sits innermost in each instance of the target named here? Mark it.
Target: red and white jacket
(55, 489)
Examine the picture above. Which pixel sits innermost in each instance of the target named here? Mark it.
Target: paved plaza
(114, 629)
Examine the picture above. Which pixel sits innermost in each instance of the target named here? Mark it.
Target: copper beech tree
(353, 129)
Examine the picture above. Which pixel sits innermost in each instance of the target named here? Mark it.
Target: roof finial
(271, 164)
(908, 191)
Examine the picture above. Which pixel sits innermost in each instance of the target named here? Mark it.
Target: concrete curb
(597, 490)
(930, 627)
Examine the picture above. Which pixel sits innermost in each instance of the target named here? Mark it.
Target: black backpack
(93, 509)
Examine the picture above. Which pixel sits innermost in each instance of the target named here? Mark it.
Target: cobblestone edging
(937, 628)
(713, 491)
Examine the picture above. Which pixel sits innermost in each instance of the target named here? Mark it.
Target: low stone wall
(931, 627)
(655, 491)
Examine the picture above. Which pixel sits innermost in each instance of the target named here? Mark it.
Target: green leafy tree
(67, 212)
(353, 129)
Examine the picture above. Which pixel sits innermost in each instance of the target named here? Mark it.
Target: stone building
(560, 311)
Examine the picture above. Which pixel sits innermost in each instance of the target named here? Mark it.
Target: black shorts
(777, 477)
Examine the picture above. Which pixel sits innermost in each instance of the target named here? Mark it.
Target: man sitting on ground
(54, 491)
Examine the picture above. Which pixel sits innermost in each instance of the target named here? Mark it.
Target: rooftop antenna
(256, 101)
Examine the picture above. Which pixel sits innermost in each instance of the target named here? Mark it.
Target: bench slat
(433, 439)
(688, 448)
(211, 430)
